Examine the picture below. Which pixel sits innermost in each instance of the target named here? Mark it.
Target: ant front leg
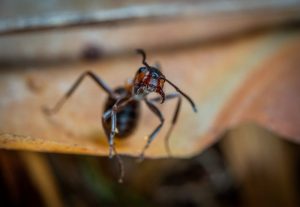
(112, 113)
(112, 148)
(94, 77)
(174, 119)
(151, 137)
(106, 115)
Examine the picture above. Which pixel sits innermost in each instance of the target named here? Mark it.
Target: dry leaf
(255, 78)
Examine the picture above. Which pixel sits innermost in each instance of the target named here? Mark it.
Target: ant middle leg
(174, 119)
(151, 137)
(94, 77)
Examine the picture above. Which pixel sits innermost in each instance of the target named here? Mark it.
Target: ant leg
(106, 115)
(112, 148)
(94, 77)
(121, 165)
(167, 97)
(112, 113)
(156, 111)
(174, 119)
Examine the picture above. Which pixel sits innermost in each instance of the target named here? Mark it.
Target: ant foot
(141, 158)
(120, 180)
(110, 154)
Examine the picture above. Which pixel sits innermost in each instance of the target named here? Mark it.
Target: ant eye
(142, 69)
(154, 75)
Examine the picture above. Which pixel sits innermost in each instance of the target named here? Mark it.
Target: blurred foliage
(208, 179)
(92, 181)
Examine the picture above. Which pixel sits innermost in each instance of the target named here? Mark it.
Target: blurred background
(248, 164)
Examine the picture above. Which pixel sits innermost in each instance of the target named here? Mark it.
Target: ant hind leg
(67, 95)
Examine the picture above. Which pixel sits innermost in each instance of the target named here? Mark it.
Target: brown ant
(121, 111)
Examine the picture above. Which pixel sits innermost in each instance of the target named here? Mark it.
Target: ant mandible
(121, 111)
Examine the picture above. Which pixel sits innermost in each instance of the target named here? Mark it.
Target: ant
(121, 111)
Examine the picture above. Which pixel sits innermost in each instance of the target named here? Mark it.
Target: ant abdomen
(128, 117)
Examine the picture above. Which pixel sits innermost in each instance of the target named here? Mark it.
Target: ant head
(148, 79)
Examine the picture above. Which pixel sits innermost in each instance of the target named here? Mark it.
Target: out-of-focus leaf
(40, 173)
(41, 31)
(255, 78)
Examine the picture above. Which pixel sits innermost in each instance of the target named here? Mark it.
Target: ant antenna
(142, 52)
(182, 93)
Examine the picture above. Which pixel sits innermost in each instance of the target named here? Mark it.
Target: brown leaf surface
(254, 78)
